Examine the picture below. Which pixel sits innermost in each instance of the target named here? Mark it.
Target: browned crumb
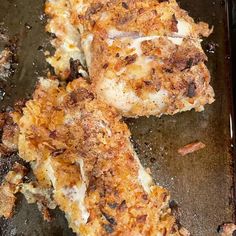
(190, 148)
(10, 136)
(228, 229)
(10, 132)
(9, 188)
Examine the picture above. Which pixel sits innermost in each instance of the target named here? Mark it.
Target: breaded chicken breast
(79, 146)
(143, 57)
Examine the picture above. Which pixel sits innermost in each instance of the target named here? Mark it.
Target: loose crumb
(190, 148)
(227, 229)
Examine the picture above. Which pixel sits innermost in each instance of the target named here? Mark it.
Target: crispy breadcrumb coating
(79, 146)
(143, 57)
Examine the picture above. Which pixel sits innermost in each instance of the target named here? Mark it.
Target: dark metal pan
(202, 184)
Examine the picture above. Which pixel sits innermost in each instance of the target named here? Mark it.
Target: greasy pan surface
(201, 183)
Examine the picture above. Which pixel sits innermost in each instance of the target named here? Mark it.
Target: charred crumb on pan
(28, 26)
(40, 48)
(131, 59)
(211, 47)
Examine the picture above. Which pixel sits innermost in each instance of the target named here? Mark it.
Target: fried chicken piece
(143, 57)
(9, 188)
(79, 146)
(5, 63)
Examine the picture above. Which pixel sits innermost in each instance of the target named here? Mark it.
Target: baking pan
(201, 184)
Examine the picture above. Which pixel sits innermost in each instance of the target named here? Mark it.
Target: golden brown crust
(148, 17)
(133, 50)
(138, 48)
(87, 148)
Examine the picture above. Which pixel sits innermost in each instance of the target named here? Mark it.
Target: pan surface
(201, 183)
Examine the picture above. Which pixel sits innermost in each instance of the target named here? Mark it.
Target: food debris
(190, 148)
(227, 229)
(9, 188)
(34, 193)
(8, 58)
(5, 63)
(10, 132)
